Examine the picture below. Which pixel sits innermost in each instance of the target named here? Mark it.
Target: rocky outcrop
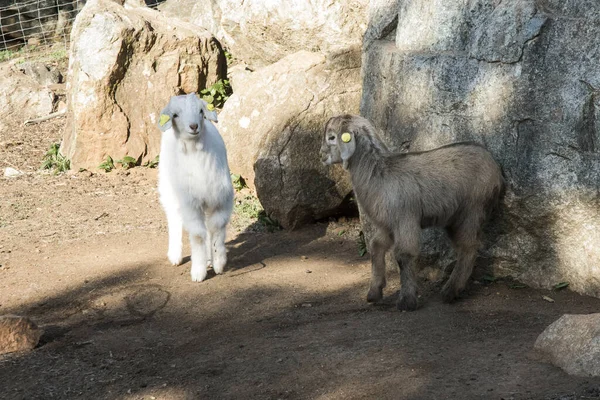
(125, 63)
(273, 126)
(262, 32)
(519, 78)
(573, 344)
(18, 334)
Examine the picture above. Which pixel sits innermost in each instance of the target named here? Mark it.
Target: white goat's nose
(193, 126)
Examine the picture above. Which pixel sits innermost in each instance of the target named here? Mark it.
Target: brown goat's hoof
(449, 294)
(374, 295)
(407, 303)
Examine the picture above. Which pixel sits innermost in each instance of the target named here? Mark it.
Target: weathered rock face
(125, 63)
(18, 334)
(262, 32)
(25, 94)
(573, 344)
(520, 78)
(273, 126)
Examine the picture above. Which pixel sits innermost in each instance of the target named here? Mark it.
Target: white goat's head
(186, 114)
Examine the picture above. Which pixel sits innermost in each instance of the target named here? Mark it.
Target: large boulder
(573, 343)
(520, 78)
(125, 63)
(262, 32)
(273, 127)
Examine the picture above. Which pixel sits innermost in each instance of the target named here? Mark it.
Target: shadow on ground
(297, 327)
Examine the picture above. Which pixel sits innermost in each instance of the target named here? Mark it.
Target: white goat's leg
(217, 226)
(220, 253)
(175, 237)
(198, 246)
(170, 205)
(195, 225)
(209, 249)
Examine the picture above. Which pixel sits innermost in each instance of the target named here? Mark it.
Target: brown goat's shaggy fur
(455, 187)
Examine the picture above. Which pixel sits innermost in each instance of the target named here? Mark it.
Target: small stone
(11, 172)
(18, 334)
(304, 258)
(306, 305)
(548, 299)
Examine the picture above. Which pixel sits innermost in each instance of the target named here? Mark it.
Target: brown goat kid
(454, 187)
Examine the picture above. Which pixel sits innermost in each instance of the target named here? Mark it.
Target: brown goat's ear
(347, 144)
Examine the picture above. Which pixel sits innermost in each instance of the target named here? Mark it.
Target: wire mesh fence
(38, 25)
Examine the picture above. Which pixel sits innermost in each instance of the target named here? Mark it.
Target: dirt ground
(83, 254)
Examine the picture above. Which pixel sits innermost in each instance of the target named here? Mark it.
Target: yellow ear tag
(164, 118)
(210, 107)
(346, 137)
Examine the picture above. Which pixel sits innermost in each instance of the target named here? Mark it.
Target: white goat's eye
(175, 115)
(332, 138)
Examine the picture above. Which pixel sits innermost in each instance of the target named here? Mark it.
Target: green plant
(238, 182)
(248, 211)
(107, 165)
(269, 223)
(127, 162)
(362, 244)
(56, 161)
(153, 163)
(560, 285)
(217, 93)
(7, 55)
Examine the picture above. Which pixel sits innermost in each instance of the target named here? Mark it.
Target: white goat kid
(194, 183)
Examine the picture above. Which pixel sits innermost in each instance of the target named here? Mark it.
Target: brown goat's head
(339, 142)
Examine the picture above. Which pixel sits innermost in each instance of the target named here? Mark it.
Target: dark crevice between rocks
(586, 127)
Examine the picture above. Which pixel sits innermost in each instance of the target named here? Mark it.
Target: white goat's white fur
(194, 184)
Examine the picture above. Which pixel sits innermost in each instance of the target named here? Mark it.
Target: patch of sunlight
(425, 25)
(156, 393)
(491, 97)
(577, 244)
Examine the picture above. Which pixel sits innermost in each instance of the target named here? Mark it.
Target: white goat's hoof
(198, 274)
(174, 259)
(219, 266)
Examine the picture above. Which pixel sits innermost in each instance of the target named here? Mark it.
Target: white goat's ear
(347, 144)
(209, 111)
(165, 121)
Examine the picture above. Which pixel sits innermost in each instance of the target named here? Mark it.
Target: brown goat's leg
(379, 246)
(457, 282)
(465, 238)
(407, 252)
(407, 298)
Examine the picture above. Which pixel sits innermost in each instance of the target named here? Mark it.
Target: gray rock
(520, 78)
(41, 73)
(573, 344)
(22, 97)
(262, 32)
(273, 126)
